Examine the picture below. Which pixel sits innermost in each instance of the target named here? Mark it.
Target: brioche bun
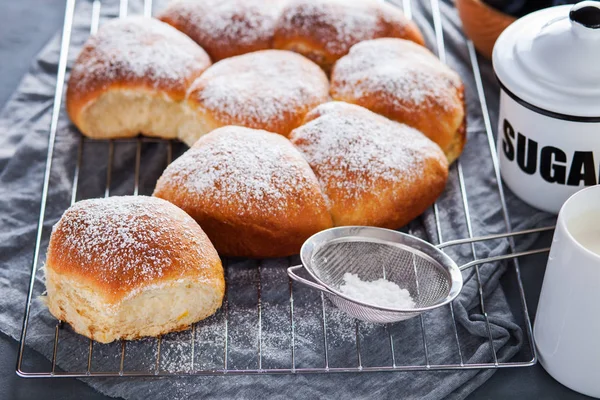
(129, 267)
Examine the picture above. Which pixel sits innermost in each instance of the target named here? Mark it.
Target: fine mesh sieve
(431, 277)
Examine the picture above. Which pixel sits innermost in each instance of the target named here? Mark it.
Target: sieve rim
(382, 235)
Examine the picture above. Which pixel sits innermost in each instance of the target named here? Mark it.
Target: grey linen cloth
(24, 124)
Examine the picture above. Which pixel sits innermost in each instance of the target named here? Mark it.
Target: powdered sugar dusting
(379, 292)
(337, 24)
(176, 352)
(263, 89)
(226, 27)
(275, 338)
(244, 170)
(245, 334)
(139, 48)
(126, 242)
(346, 140)
(397, 72)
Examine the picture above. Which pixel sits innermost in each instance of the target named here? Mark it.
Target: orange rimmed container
(482, 24)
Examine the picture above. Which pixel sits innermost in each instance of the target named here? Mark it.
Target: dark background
(25, 26)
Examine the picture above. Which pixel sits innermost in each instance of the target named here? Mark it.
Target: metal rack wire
(257, 366)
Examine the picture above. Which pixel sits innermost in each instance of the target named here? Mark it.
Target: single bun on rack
(131, 77)
(225, 28)
(324, 30)
(373, 170)
(268, 89)
(406, 83)
(128, 267)
(250, 190)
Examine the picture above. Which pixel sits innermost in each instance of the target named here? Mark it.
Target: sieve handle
(503, 257)
(491, 237)
(297, 278)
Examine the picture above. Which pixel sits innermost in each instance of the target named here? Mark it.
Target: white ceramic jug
(567, 324)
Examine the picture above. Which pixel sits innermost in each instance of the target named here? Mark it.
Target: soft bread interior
(125, 113)
(121, 113)
(194, 124)
(153, 311)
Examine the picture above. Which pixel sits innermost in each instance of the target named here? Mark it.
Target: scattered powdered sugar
(380, 292)
(351, 148)
(176, 352)
(245, 335)
(394, 71)
(223, 26)
(139, 48)
(261, 89)
(337, 24)
(126, 242)
(243, 169)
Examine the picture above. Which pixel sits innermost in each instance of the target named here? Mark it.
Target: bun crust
(130, 77)
(225, 28)
(325, 30)
(269, 89)
(250, 190)
(373, 170)
(406, 83)
(112, 262)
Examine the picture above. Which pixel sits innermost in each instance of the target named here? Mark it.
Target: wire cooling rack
(221, 345)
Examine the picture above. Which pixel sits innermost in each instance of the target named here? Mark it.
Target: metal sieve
(432, 278)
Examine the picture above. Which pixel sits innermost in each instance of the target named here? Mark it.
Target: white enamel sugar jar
(548, 66)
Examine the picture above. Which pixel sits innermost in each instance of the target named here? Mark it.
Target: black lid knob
(586, 13)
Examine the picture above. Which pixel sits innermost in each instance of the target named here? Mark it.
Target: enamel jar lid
(549, 61)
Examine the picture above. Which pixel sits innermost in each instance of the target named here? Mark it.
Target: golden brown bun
(268, 89)
(325, 30)
(250, 190)
(131, 77)
(373, 170)
(225, 28)
(128, 267)
(406, 83)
